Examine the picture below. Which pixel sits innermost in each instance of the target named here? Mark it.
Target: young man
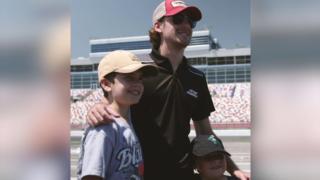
(176, 95)
(112, 151)
(210, 158)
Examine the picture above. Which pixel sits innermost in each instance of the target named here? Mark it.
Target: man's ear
(105, 85)
(157, 26)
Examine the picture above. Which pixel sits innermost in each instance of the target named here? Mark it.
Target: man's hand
(241, 175)
(233, 169)
(100, 113)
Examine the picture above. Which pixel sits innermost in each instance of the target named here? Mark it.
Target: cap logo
(213, 140)
(178, 3)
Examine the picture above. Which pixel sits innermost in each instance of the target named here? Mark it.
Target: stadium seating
(231, 101)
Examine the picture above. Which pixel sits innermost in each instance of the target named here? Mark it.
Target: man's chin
(184, 44)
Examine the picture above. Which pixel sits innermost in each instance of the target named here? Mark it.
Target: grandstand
(227, 72)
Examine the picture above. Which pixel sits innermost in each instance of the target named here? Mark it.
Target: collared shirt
(162, 117)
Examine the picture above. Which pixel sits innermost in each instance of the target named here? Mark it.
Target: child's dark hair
(110, 77)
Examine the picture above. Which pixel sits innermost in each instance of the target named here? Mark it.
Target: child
(210, 158)
(112, 151)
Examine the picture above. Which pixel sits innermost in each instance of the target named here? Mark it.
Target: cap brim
(192, 12)
(203, 153)
(147, 69)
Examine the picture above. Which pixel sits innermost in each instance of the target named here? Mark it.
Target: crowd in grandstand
(232, 103)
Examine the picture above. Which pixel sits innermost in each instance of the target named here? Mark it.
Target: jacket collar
(164, 62)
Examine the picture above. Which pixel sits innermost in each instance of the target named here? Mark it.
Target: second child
(210, 158)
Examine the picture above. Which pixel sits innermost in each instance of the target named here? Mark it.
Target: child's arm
(97, 152)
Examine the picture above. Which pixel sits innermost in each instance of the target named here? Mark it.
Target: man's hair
(154, 36)
(110, 77)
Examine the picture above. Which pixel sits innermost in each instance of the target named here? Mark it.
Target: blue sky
(228, 20)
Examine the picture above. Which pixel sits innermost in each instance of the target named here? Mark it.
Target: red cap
(173, 7)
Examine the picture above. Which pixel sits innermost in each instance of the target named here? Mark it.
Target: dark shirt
(162, 117)
(197, 177)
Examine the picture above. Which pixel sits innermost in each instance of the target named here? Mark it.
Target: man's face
(177, 29)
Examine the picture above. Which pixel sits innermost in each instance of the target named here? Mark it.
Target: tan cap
(123, 62)
(173, 7)
(206, 144)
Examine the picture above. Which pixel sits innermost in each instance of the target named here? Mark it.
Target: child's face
(127, 88)
(212, 165)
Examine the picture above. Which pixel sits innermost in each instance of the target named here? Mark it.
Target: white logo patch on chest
(193, 93)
